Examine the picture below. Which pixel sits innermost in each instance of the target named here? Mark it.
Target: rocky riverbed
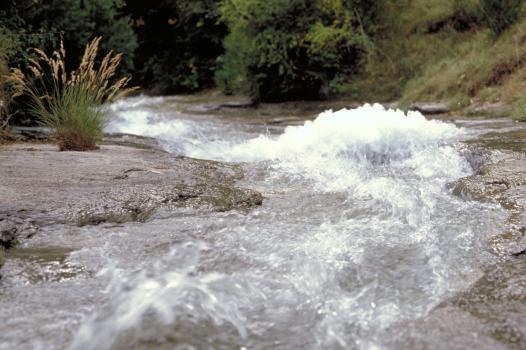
(227, 226)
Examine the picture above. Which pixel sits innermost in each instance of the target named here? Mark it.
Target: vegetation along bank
(465, 53)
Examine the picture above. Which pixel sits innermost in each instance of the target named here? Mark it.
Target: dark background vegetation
(275, 50)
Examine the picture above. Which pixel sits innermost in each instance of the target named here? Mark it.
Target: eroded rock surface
(114, 184)
(14, 229)
(499, 296)
(503, 182)
(430, 108)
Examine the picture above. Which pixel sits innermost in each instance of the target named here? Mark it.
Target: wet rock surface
(504, 182)
(14, 229)
(430, 108)
(114, 184)
(498, 298)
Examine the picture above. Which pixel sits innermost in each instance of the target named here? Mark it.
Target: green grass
(442, 51)
(76, 119)
(420, 34)
(477, 70)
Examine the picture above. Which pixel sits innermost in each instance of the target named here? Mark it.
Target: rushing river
(358, 240)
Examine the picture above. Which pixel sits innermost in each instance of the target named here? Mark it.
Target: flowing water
(357, 240)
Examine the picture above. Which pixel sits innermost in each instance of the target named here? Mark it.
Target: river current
(358, 240)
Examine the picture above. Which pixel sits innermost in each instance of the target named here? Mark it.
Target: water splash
(339, 150)
(137, 116)
(163, 293)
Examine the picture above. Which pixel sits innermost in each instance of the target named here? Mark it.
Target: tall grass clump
(71, 104)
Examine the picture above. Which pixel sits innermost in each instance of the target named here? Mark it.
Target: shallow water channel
(358, 244)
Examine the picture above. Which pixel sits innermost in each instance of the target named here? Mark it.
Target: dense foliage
(501, 14)
(280, 49)
(272, 50)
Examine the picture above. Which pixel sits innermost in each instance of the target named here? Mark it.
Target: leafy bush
(70, 104)
(297, 49)
(501, 14)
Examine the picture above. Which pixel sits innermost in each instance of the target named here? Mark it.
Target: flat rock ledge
(503, 182)
(498, 297)
(116, 183)
(430, 108)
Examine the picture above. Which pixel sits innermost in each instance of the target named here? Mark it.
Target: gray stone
(15, 229)
(504, 183)
(114, 184)
(430, 108)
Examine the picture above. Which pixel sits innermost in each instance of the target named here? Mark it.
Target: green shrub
(297, 49)
(71, 103)
(501, 14)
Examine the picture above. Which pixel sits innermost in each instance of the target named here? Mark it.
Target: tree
(293, 49)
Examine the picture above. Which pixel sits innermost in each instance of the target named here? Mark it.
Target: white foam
(339, 149)
(167, 291)
(140, 116)
(144, 123)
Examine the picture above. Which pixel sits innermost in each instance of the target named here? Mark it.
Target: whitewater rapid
(358, 236)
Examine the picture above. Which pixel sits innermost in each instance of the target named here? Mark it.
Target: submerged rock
(498, 297)
(2, 259)
(503, 182)
(14, 229)
(211, 107)
(136, 203)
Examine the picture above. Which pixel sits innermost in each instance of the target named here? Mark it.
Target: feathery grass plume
(71, 104)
